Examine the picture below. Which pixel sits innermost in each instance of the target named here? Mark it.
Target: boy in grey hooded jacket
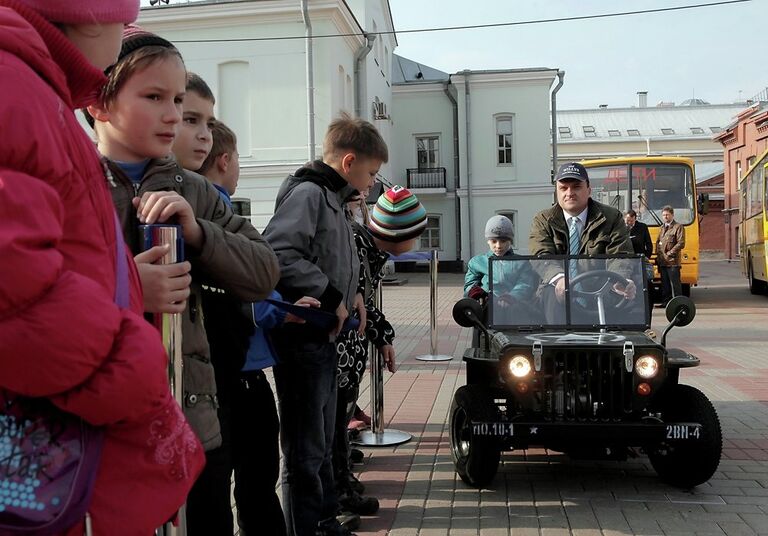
(316, 250)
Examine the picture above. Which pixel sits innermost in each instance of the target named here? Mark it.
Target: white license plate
(493, 429)
(683, 431)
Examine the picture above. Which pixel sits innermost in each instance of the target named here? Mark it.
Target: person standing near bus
(669, 244)
(638, 234)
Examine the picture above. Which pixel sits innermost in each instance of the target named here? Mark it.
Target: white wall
(268, 78)
(421, 109)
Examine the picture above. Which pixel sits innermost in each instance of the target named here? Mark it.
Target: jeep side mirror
(680, 312)
(703, 203)
(468, 313)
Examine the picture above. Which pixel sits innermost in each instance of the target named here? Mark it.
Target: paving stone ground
(545, 493)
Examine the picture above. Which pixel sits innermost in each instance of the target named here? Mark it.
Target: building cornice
(618, 154)
(252, 170)
(636, 139)
(518, 189)
(421, 87)
(514, 76)
(204, 15)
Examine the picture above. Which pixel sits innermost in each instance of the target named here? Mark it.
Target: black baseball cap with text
(572, 170)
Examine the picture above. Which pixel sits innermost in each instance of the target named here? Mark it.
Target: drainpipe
(310, 79)
(466, 74)
(560, 76)
(451, 93)
(647, 146)
(359, 57)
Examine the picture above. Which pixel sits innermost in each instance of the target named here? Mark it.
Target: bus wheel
(686, 290)
(755, 285)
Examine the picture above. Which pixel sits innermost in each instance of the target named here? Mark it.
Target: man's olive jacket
(605, 234)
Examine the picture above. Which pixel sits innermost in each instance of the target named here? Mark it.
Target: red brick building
(712, 230)
(743, 140)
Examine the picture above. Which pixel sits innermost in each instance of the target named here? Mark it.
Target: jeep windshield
(595, 293)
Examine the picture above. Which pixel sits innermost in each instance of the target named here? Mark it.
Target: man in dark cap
(577, 225)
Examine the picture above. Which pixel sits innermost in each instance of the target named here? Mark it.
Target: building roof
(708, 170)
(405, 70)
(621, 124)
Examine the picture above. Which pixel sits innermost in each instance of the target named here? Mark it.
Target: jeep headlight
(519, 366)
(647, 367)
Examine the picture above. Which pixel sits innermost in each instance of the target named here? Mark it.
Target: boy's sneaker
(356, 456)
(331, 527)
(354, 502)
(360, 415)
(356, 424)
(348, 520)
(355, 485)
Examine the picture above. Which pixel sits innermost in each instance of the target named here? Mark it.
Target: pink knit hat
(85, 11)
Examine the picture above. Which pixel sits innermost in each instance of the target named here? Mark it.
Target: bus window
(655, 186)
(610, 186)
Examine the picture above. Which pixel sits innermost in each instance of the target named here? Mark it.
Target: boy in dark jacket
(314, 244)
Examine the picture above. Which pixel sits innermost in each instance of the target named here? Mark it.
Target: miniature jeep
(578, 373)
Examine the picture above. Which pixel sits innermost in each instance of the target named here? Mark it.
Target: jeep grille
(584, 386)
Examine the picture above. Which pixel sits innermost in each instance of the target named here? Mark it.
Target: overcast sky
(711, 52)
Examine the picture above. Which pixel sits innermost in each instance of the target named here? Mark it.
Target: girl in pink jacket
(62, 337)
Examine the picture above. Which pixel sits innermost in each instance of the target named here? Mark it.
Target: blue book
(317, 317)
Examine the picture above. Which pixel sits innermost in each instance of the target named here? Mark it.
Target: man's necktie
(574, 242)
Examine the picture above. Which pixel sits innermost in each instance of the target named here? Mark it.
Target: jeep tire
(476, 458)
(693, 462)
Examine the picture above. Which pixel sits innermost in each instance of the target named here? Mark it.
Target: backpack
(48, 457)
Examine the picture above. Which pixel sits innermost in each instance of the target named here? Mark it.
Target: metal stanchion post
(433, 356)
(169, 326)
(378, 436)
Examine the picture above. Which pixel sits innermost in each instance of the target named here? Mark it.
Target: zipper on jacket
(109, 176)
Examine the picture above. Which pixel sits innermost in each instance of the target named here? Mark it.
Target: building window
(504, 127)
(738, 170)
(633, 132)
(667, 131)
(565, 132)
(715, 130)
(614, 133)
(750, 162)
(697, 130)
(428, 152)
(589, 132)
(512, 215)
(430, 238)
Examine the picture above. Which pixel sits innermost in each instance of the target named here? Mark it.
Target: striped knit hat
(397, 216)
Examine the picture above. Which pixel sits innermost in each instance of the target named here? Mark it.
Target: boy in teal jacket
(516, 282)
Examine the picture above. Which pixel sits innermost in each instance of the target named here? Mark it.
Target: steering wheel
(610, 277)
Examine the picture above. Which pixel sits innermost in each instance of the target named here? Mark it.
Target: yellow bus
(753, 228)
(647, 184)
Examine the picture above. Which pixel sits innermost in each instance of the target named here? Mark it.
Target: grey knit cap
(499, 227)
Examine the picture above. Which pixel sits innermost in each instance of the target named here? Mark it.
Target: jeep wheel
(476, 458)
(693, 462)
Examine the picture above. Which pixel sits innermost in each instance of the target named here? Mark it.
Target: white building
(253, 55)
(471, 145)
(687, 129)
